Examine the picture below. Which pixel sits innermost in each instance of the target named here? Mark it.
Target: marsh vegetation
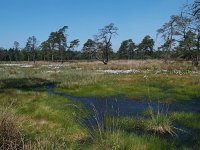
(80, 105)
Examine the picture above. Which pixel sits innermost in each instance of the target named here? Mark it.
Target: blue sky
(20, 19)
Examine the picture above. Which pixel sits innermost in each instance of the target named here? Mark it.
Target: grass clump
(11, 137)
(121, 133)
(160, 124)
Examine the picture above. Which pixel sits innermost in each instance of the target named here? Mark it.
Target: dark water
(123, 106)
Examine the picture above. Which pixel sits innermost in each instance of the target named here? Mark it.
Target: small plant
(160, 123)
(106, 133)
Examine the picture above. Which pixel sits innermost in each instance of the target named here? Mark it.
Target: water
(122, 106)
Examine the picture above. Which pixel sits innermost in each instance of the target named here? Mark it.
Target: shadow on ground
(24, 83)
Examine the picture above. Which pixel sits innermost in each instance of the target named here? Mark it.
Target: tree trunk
(195, 61)
(52, 59)
(34, 58)
(105, 62)
(10, 58)
(61, 53)
(105, 59)
(61, 56)
(16, 58)
(166, 58)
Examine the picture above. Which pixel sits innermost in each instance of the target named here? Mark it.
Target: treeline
(180, 36)
(55, 48)
(128, 50)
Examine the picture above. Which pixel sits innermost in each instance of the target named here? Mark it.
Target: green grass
(189, 119)
(87, 82)
(157, 87)
(43, 116)
(120, 140)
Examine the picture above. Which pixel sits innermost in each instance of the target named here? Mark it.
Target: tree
(31, 45)
(182, 27)
(11, 55)
(89, 48)
(61, 40)
(16, 48)
(73, 44)
(2, 53)
(71, 48)
(126, 49)
(58, 40)
(196, 23)
(103, 41)
(45, 47)
(167, 32)
(52, 43)
(196, 8)
(28, 48)
(145, 48)
(193, 12)
(187, 46)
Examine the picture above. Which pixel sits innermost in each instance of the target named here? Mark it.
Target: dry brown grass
(126, 80)
(10, 136)
(119, 64)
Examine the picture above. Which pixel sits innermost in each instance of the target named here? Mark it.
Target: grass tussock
(11, 137)
(160, 124)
